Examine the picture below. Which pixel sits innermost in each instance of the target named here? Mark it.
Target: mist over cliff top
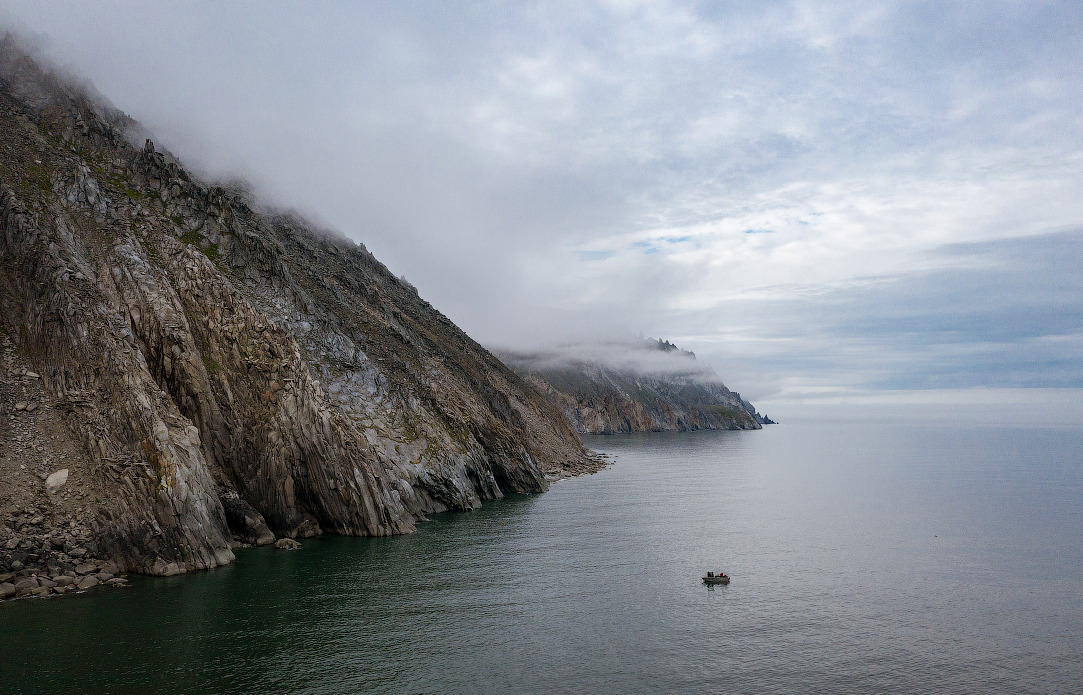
(639, 356)
(790, 189)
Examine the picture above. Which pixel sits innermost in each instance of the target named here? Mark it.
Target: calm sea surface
(865, 558)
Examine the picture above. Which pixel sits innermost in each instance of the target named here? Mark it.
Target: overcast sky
(814, 197)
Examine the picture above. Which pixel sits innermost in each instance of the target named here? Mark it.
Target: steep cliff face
(212, 369)
(650, 386)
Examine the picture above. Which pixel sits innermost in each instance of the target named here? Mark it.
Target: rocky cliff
(644, 386)
(204, 369)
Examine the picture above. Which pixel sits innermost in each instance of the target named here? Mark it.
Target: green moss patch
(190, 238)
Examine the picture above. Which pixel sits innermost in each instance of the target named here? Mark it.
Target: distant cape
(635, 386)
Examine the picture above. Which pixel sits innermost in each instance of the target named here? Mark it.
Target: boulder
(7, 590)
(86, 568)
(26, 585)
(87, 582)
(287, 544)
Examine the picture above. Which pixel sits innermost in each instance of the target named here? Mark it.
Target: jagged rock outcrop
(646, 386)
(213, 369)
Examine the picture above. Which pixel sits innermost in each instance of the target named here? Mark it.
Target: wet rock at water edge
(87, 582)
(25, 586)
(287, 544)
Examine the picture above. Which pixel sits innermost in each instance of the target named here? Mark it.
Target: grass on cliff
(37, 176)
(35, 182)
(196, 239)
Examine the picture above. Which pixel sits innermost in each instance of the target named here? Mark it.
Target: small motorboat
(716, 578)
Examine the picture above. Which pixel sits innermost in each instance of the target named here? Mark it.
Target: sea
(921, 553)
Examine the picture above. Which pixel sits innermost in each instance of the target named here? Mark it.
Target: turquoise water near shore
(866, 557)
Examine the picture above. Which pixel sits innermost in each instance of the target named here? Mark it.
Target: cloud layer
(809, 195)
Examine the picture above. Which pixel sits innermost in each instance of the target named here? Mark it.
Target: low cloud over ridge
(916, 165)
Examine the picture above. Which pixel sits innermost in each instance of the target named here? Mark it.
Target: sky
(818, 198)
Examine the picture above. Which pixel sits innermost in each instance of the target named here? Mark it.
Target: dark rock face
(641, 392)
(215, 370)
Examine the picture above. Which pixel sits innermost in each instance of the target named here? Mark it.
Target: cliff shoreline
(208, 371)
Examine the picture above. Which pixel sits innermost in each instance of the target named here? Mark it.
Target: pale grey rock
(56, 480)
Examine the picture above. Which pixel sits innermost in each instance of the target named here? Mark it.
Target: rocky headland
(183, 370)
(638, 386)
